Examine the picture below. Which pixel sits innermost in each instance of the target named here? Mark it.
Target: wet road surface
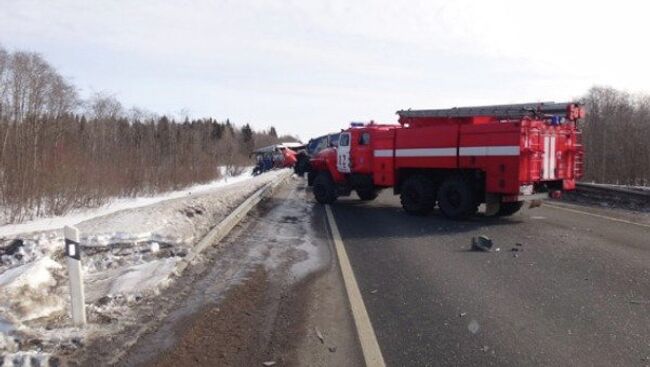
(564, 288)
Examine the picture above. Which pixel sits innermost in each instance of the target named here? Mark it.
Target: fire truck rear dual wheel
(506, 209)
(324, 188)
(418, 195)
(456, 198)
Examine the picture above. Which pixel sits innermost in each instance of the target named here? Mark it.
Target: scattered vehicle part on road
(640, 302)
(457, 158)
(481, 243)
(319, 335)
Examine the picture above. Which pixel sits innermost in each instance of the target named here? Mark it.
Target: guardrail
(223, 228)
(638, 199)
(216, 234)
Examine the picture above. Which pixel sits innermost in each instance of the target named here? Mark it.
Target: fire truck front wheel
(456, 198)
(324, 188)
(311, 177)
(418, 195)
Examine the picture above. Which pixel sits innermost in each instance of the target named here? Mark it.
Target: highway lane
(576, 293)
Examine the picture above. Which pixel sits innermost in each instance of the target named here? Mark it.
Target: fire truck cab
(457, 158)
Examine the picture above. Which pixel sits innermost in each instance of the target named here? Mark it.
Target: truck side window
(344, 140)
(364, 139)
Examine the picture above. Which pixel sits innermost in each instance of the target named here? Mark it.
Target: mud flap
(492, 204)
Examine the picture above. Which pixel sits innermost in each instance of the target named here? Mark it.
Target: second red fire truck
(457, 158)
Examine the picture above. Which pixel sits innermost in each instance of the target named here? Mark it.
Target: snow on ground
(80, 215)
(129, 252)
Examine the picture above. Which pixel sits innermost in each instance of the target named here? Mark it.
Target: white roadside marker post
(73, 253)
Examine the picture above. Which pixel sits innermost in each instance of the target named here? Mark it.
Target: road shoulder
(271, 292)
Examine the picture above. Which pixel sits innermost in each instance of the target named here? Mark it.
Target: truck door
(343, 153)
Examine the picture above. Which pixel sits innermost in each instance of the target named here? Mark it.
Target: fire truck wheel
(311, 177)
(418, 195)
(456, 198)
(324, 188)
(368, 194)
(507, 209)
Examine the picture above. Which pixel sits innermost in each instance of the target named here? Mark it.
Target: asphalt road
(577, 293)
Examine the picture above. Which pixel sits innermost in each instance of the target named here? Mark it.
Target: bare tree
(615, 135)
(53, 160)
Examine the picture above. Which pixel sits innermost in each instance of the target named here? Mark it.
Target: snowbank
(27, 289)
(127, 255)
(80, 215)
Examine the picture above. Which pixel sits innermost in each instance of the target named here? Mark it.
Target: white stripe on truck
(383, 153)
(551, 172)
(489, 151)
(502, 150)
(546, 161)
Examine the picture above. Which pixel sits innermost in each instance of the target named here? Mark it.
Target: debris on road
(462, 314)
(473, 327)
(319, 335)
(268, 363)
(481, 243)
(373, 291)
(332, 349)
(517, 248)
(640, 302)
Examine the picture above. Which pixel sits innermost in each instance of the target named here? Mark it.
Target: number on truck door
(343, 153)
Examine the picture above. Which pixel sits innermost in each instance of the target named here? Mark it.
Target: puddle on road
(286, 237)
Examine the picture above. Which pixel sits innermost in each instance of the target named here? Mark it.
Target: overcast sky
(311, 67)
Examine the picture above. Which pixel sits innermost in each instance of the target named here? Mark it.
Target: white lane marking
(369, 346)
(597, 215)
(501, 150)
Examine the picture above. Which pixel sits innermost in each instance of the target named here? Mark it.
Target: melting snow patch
(32, 275)
(126, 255)
(28, 289)
(137, 279)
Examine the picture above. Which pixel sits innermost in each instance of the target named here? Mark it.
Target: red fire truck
(457, 158)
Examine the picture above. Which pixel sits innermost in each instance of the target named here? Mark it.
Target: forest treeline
(59, 152)
(616, 137)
